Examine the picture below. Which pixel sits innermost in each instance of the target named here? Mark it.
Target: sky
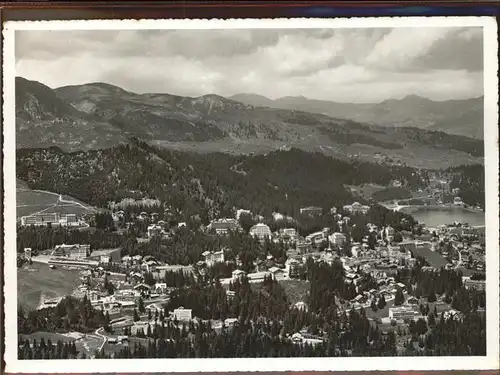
(343, 65)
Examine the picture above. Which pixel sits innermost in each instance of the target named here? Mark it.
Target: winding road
(104, 338)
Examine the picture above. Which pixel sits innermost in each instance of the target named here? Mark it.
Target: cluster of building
(74, 255)
(381, 262)
(54, 218)
(275, 273)
(405, 312)
(356, 208)
(474, 284)
(261, 231)
(75, 251)
(126, 294)
(462, 243)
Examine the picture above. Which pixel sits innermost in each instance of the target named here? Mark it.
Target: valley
(417, 157)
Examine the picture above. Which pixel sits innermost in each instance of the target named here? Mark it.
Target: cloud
(417, 49)
(331, 64)
(190, 43)
(52, 45)
(398, 49)
(463, 49)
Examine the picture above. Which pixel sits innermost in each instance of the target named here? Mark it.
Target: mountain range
(100, 115)
(460, 117)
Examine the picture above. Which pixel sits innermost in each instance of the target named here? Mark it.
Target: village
(132, 289)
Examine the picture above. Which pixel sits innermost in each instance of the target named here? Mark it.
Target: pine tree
(431, 320)
(431, 297)
(381, 302)
(409, 289)
(141, 307)
(399, 299)
(136, 316)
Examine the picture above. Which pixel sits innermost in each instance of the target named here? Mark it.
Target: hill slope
(99, 115)
(253, 99)
(44, 119)
(460, 117)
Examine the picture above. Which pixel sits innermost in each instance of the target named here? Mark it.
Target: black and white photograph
(291, 194)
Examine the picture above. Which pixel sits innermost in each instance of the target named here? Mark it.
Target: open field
(365, 191)
(28, 210)
(65, 208)
(30, 197)
(29, 202)
(74, 200)
(32, 201)
(38, 279)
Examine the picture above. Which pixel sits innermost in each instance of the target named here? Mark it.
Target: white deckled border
(277, 23)
(491, 361)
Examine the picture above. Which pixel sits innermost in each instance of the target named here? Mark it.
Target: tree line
(351, 335)
(49, 350)
(70, 314)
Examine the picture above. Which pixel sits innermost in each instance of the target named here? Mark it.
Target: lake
(434, 216)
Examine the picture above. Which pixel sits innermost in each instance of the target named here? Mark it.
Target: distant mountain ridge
(460, 117)
(100, 115)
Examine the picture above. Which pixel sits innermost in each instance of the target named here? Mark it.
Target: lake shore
(435, 215)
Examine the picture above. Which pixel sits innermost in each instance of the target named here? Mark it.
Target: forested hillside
(211, 185)
(470, 179)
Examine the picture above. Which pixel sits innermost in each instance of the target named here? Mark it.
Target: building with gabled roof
(356, 208)
(312, 211)
(224, 226)
(72, 251)
(212, 258)
(182, 314)
(261, 231)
